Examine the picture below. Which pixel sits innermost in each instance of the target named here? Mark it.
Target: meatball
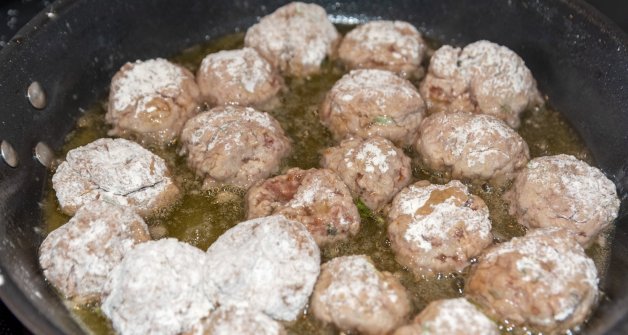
(484, 78)
(158, 289)
(151, 100)
(295, 39)
(438, 228)
(77, 257)
(237, 77)
(373, 169)
(271, 263)
(388, 45)
(241, 320)
(562, 191)
(471, 146)
(117, 171)
(317, 198)
(452, 317)
(354, 296)
(234, 145)
(543, 280)
(365, 103)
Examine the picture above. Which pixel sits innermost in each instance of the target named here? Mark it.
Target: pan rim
(19, 304)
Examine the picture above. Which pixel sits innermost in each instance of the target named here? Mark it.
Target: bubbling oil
(200, 217)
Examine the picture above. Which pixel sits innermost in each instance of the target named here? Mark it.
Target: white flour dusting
(504, 68)
(379, 41)
(238, 67)
(233, 145)
(474, 146)
(373, 157)
(307, 193)
(296, 38)
(271, 262)
(158, 289)
(376, 33)
(150, 78)
(478, 137)
(443, 215)
(77, 257)
(357, 283)
(484, 77)
(316, 198)
(370, 102)
(375, 85)
(115, 170)
(215, 121)
(552, 264)
(500, 67)
(250, 114)
(374, 169)
(238, 319)
(587, 190)
(455, 316)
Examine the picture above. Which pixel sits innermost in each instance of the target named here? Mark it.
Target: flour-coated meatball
(271, 263)
(471, 146)
(158, 288)
(234, 145)
(237, 319)
(438, 228)
(388, 45)
(451, 317)
(562, 191)
(373, 169)
(237, 77)
(316, 198)
(483, 77)
(77, 257)
(151, 100)
(117, 171)
(366, 103)
(543, 280)
(354, 296)
(295, 39)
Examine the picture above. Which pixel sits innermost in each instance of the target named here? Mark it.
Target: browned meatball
(237, 320)
(77, 257)
(366, 103)
(451, 317)
(388, 45)
(543, 280)
(295, 39)
(471, 146)
(269, 263)
(158, 288)
(438, 228)
(562, 191)
(317, 198)
(373, 169)
(353, 295)
(237, 77)
(151, 100)
(234, 145)
(484, 78)
(117, 171)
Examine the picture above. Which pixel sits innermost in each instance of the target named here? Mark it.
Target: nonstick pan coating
(579, 59)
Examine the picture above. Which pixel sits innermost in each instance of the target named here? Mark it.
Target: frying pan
(73, 48)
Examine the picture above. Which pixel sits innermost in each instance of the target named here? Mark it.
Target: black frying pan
(579, 59)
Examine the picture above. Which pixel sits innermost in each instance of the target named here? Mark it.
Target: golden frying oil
(200, 217)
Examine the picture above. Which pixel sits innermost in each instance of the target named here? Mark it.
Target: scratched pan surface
(579, 59)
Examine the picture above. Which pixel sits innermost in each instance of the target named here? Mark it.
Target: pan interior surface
(579, 60)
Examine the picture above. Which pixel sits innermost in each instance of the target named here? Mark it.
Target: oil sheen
(200, 217)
